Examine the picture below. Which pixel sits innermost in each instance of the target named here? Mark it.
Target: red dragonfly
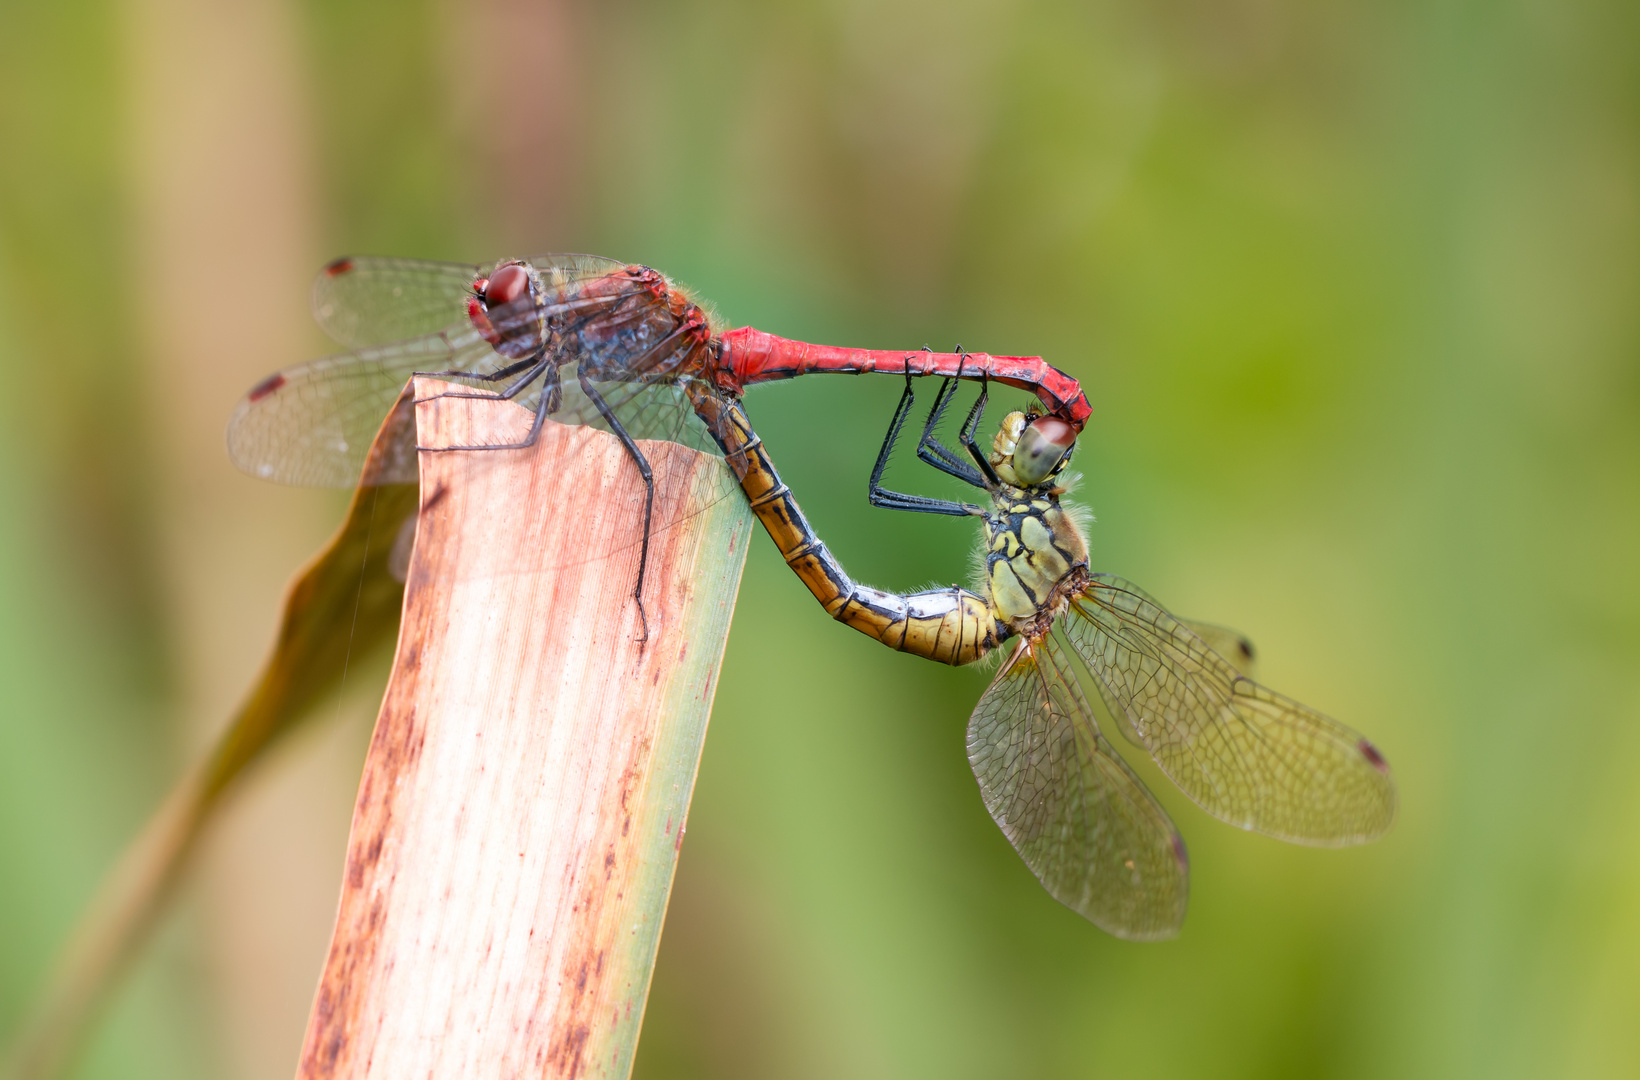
(638, 347)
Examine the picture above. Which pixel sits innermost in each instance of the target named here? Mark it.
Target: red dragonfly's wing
(364, 300)
(312, 424)
(1246, 754)
(1083, 822)
(367, 300)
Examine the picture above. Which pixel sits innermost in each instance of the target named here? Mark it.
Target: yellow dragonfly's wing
(1246, 754)
(1083, 822)
(1233, 645)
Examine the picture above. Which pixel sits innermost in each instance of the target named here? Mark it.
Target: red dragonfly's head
(503, 309)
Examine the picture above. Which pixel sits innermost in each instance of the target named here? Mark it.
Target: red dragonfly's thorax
(663, 331)
(626, 324)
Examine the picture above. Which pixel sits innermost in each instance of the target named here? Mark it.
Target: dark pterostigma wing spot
(1246, 754)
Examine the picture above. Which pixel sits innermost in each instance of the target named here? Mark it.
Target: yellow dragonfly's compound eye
(1042, 446)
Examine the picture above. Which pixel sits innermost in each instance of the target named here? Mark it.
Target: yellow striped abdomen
(952, 625)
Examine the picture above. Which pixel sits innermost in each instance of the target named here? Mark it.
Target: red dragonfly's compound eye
(1042, 446)
(506, 285)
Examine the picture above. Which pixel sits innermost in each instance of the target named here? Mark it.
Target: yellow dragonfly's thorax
(1035, 556)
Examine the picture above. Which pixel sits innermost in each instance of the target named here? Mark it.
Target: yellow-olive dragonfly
(1075, 811)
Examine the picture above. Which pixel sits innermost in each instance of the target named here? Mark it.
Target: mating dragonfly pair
(592, 341)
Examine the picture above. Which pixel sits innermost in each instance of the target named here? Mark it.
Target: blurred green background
(1353, 287)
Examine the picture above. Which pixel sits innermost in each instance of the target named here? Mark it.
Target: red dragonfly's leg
(644, 471)
(752, 356)
(953, 626)
(929, 449)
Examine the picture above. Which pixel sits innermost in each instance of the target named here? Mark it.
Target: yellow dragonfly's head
(1029, 450)
(1035, 557)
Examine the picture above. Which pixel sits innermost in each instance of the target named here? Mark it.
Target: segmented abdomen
(953, 626)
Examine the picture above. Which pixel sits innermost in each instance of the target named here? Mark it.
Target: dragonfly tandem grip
(594, 341)
(952, 626)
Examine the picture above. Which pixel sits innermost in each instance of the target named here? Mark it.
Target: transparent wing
(657, 411)
(365, 300)
(312, 424)
(566, 267)
(1229, 643)
(1073, 809)
(1233, 645)
(1245, 754)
